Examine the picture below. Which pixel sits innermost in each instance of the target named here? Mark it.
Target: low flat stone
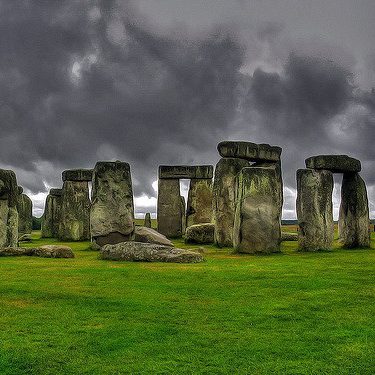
(285, 236)
(146, 252)
(54, 251)
(249, 151)
(334, 163)
(25, 238)
(200, 233)
(16, 251)
(77, 175)
(55, 192)
(186, 171)
(149, 235)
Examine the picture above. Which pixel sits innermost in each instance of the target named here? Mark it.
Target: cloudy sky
(163, 81)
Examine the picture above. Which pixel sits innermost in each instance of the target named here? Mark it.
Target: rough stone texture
(77, 175)
(25, 214)
(54, 251)
(74, 223)
(9, 193)
(169, 213)
(199, 205)
(20, 190)
(257, 217)
(25, 238)
(200, 233)
(285, 236)
(145, 252)
(334, 163)
(112, 208)
(183, 215)
(354, 222)
(148, 235)
(224, 198)
(16, 251)
(51, 215)
(314, 209)
(147, 221)
(186, 171)
(249, 151)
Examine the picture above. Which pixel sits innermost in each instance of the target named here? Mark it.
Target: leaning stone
(257, 217)
(286, 236)
(25, 214)
(25, 238)
(249, 151)
(314, 209)
(16, 251)
(145, 252)
(186, 171)
(54, 251)
(334, 163)
(112, 208)
(354, 221)
(148, 235)
(147, 221)
(77, 175)
(200, 233)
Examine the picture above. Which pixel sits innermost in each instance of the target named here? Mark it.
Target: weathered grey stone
(183, 215)
(54, 251)
(224, 198)
(56, 192)
(200, 233)
(77, 175)
(149, 235)
(314, 209)
(147, 221)
(257, 217)
(20, 190)
(186, 171)
(145, 252)
(74, 223)
(52, 214)
(286, 236)
(112, 209)
(249, 151)
(199, 205)
(25, 214)
(169, 213)
(334, 163)
(16, 251)
(354, 221)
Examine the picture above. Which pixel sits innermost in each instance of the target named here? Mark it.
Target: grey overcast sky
(163, 81)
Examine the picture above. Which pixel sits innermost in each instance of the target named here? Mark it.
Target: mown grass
(291, 313)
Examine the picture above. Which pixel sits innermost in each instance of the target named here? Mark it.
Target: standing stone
(183, 215)
(314, 209)
(354, 221)
(112, 209)
(9, 193)
(169, 208)
(224, 198)
(257, 217)
(75, 206)
(147, 221)
(52, 214)
(199, 206)
(25, 214)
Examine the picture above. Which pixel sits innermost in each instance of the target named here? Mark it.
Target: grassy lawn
(291, 313)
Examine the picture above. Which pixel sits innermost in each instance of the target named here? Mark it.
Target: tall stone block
(199, 206)
(52, 214)
(224, 198)
(147, 220)
(257, 216)
(169, 208)
(314, 209)
(183, 215)
(112, 209)
(354, 222)
(25, 214)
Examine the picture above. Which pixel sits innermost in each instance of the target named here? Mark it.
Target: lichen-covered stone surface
(145, 252)
(16, 251)
(25, 214)
(199, 205)
(334, 163)
(200, 233)
(112, 208)
(77, 175)
(54, 251)
(147, 221)
(286, 236)
(149, 235)
(224, 188)
(257, 217)
(354, 222)
(186, 171)
(52, 214)
(314, 209)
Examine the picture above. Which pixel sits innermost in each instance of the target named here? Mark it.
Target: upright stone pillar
(314, 209)
(52, 214)
(354, 221)
(25, 213)
(147, 221)
(8, 209)
(112, 209)
(75, 206)
(183, 215)
(224, 198)
(257, 217)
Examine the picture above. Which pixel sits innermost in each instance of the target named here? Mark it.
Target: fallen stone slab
(56, 192)
(186, 171)
(145, 252)
(25, 238)
(77, 175)
(249, 151)
(149, 235)
(285, 236)
(200, 233)
(16, 251)
(334, 163)
(54, 251)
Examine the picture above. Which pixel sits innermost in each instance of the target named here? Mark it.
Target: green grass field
(291, 313)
